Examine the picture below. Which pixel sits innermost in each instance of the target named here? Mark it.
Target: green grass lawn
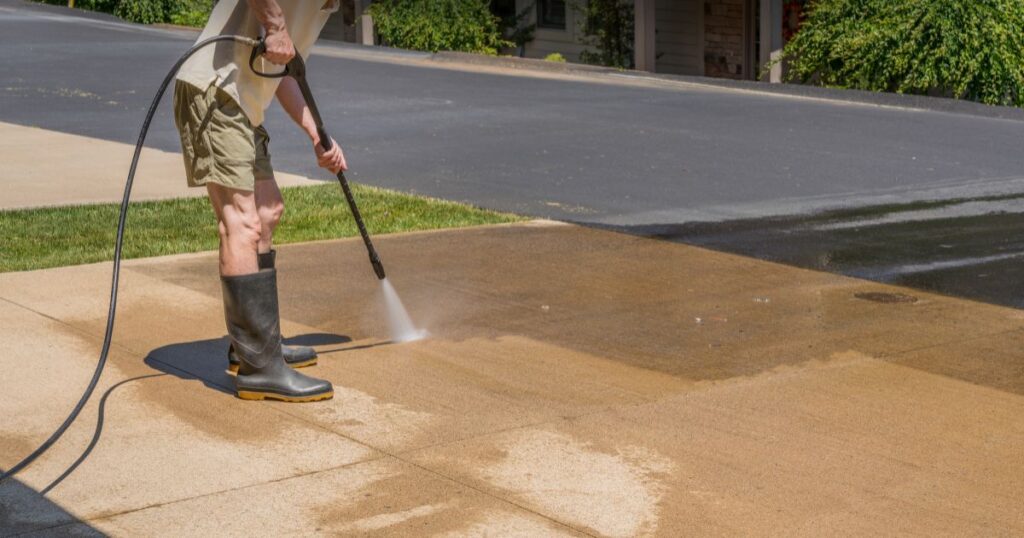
(71, 235)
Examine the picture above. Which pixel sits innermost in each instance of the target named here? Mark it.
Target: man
(219, 105)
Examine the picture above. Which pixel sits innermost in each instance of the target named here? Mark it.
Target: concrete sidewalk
(51, 168)
(577, 382)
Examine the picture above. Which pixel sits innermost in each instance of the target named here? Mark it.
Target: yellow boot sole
(233, 368)
(249, 395)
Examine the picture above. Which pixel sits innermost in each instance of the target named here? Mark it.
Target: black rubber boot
(294, 356)
(254, 326)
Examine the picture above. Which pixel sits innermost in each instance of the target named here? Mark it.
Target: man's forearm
(269, 14)
(292, 101)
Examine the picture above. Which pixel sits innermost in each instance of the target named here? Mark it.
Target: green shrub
(555, 57)
(183, 12)
(434, 25)
(104, 6)
(517, 28)
(608, 26)
(142, 11)
(964, 49)
(189, 12)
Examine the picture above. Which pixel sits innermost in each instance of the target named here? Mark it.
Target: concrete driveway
(577, 382)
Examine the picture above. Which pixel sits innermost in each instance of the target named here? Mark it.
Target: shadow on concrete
(206, 360)
(202, 360)
(24, 510)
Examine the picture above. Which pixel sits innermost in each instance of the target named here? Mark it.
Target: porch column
(771, 38)
(643, 48)
(364, 23)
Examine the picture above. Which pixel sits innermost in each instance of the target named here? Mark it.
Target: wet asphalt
(925, 198)
(970, 248)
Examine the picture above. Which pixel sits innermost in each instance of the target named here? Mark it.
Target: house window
(503, 9)
(551, 14)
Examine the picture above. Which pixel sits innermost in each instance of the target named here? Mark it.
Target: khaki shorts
(218, 142)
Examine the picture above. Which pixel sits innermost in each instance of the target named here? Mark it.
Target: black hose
(108, 334)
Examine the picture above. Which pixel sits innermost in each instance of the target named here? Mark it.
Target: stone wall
(723, 39)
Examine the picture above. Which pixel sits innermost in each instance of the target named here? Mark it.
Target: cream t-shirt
(227, 63)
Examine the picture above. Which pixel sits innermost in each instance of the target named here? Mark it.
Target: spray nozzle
(378, 267)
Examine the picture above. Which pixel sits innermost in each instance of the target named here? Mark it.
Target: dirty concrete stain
(383, 521)
(220, 420)
(371, 420)
(614, 494)
(507, 525)
(184, 396)
(13, 447)
(397, 501)
(543, 372)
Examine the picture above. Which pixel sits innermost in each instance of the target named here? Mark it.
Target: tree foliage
(517, 28)
(608, 26)
(142, 11)
(957, 48)
(183, 12)
(435, 25)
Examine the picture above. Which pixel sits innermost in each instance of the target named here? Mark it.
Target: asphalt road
(648, 158)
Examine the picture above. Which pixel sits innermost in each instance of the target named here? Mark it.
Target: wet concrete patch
(996, 362)
(692, 313)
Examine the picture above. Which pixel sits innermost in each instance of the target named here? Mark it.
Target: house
(717, 38)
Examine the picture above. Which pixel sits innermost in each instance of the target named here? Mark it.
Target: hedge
(964, 49)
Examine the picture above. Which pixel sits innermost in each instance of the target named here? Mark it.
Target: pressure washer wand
(325, 143)
(296, 69)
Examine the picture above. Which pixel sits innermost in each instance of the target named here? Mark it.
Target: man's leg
(251, 308)
(239, 226)
(270, 207)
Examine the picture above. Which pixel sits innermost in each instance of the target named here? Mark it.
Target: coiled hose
(112, 310)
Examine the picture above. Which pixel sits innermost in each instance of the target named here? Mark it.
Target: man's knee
(271, 214)
(242, 227)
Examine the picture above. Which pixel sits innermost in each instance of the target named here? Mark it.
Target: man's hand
(280, 49)
(333, 160)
